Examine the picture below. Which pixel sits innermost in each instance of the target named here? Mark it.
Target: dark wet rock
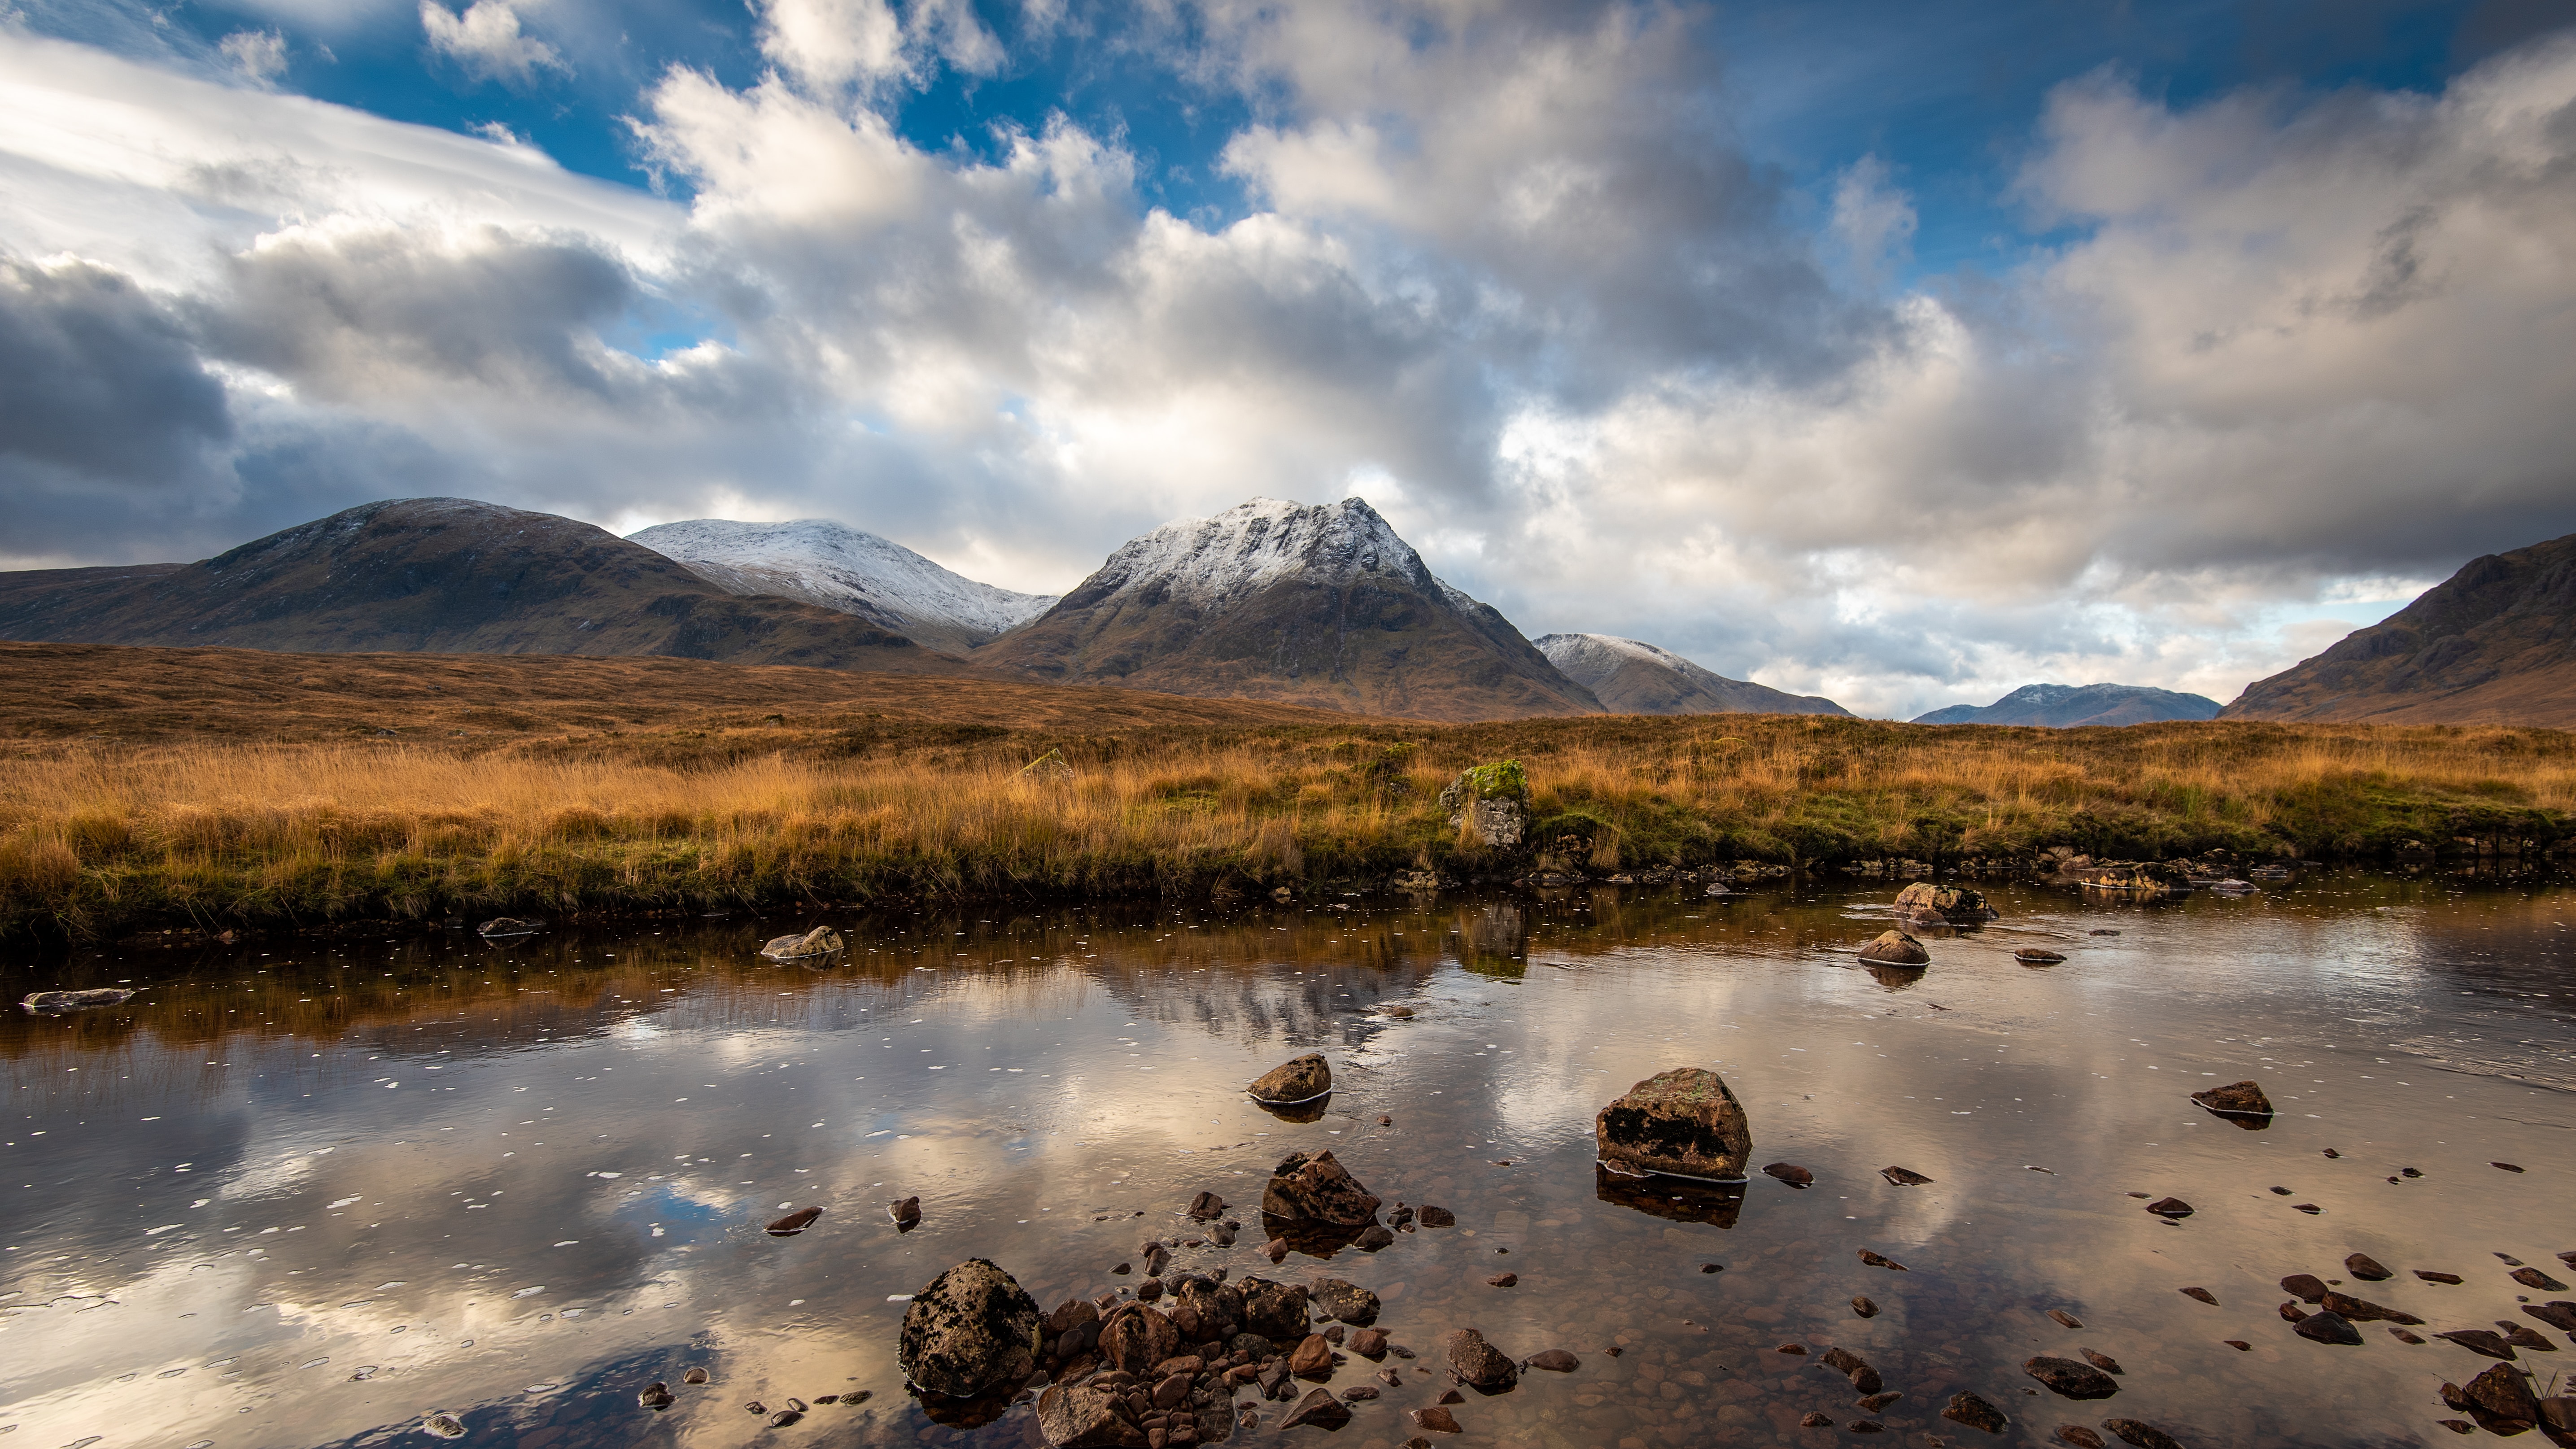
(1816, 1421)
(2509, 1260)
(443, 1426)
(2507, 1166)
(2070, 1379)
(1438, 1217)
(500, 926)
(2521, 1337)
(1976, 1413)
(1436, 1419)
(1348, 1302)
(2101, 933)
(2065, 1319)
(2480, 1340)
(1151, 1290)
(1790, 1173)
(1216, 1307)
(1864, 1379)
(2293, 1313)
(795, 1222)
(1275, 1250)
(1369, 1343)
(2498, 1397)
(1553, 1360)
(655, 1395)
(2203, 1294)
(1791, 1348)
(2405, 1335)
(2366, 1268)
(2558, 1313)
(757, 1407)
(1712, 1267)
(1477, 1362)
(2534, 1278)
(1135, 1338)
(1373, 1238)
(2276, 1192)
(820, 941)
(1359, 1393)
(1311, 1186)
(1318, 1408)
(2142, 1435)
(2238, 1344)
(694, 1376)
(1206, 1205)
(2362, 1310)
(1683, 1122)
(2430, 1276)
(2102, 1361)
(1903, 1176)
(1895, 948)
(1383, 1120)
(1276, 1311)
(1880, 1260)
(967, 1330)
(1452, 1396)
(1868, 1426)
(52, 1003)
(2236, 1099)
(785, 1417)
(906, 1212)
(1085, 1416)
(2311, 1209)
(2306, 1287)
(2034, 956)
(1875, 1402)
(1503, 1280)
(2330, 1152)
(1947, 904)
(1313, 1358)
(2457, 1426)
(1864, 1307)
(2329, 1327)
(2080, 1437)
(1293, 1083)
(2170, 1207)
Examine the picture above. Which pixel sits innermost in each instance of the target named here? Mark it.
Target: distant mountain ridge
(834, 566)
(1630, 676)
(444, 575)
(2068, 706)
(2493, 644)
(1322, 605)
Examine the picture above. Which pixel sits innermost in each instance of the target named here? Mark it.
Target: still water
(304, 1192)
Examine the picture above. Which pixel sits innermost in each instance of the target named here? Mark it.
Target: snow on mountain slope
(1212, 562)
(838, 567)
(1633, 677)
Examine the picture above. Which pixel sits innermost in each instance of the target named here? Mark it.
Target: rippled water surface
(300, 1193)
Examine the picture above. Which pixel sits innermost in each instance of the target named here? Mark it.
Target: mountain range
(2065, 706)
(2493, 644)
(1629, 676)
(834, 566)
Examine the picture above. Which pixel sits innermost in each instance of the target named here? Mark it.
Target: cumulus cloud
(259, 55)
(1505, 269)
(485, 40)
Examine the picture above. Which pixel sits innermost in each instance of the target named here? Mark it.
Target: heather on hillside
(835, 807)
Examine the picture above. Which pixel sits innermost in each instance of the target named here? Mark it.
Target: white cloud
(485, 40)
(829, 44)
(259, 55)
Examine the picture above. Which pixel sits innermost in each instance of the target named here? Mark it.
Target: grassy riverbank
(98, 837)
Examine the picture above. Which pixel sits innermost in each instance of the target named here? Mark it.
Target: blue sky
(1900, 352)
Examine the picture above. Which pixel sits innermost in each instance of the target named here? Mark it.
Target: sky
(1905, 353)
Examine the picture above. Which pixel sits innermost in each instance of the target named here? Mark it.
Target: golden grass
(103, 837)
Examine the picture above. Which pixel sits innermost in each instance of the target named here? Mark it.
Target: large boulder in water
(820, 941)
(971, 1330)
(1681, 1123)
(1956, 905)
(1302, 1080)
(54, 1003)
(1895, 948)
(1311, 1186)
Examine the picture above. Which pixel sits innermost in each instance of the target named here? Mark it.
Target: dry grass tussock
(99, 837)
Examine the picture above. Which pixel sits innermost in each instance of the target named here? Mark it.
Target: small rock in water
(1369, 1343)
(1477, 1362)
(1294, 1082)
(2329, 1327)
(2306, 1287)
(1319, 1408)
(2169, 1208)
(1790, 1173)
(2293, 1313)
(1348, 1302)
(2457, 1426)
(1712, 1267)
(655, 1395)
(756, 1407)
(2480, 1340)
(1816, 1421)
(1373, 1237)
(2429, 1276)
(2362, 1310)
(2499, 1394)
(2280, 1192)
(443, 1426)
(694, 1376)
(1554, 1360)
(1452, 1396)
(1868, 1426)
(2101, 933)
(906, 1212)
(1313, 1358)
(1438, 1217)
(1903, 1176)
(2065, 1319)
(1359, 1393)
(2521, 1337)
(2080, 1437)
(2330, 1152)
(1876, 1260)
(1876, 1402)
(1503, 1280)
(1385, 1121)
(1314, 1187)
(2507, 1166)
(2404, 1335)
(2102, 1361)
(1207, 1205)
(1864, 1307)
(795, 1222)
(2238, 1344)
(1274, 1250)
(2557, 1313)
(2236, 1099)
(2534, 1278)
(2311, 1209)
(2203, 1294)
(2066, 1377)
(1436, 1419)
(1976, 1413)
(2144, 1436)
(1895, 948)
(2366, 1268)
(2034, 956)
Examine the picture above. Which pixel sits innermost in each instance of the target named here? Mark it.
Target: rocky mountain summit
(2494, 643)
(834, 566)
(444, 575)
(2067, 706)
(1322, 605)
(1630, 676)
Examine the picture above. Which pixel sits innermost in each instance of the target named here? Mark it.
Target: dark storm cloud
(103, 380)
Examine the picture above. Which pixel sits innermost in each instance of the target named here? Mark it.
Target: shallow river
(307, 1192)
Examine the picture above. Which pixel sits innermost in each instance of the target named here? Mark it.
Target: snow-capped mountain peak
(1213, 561)
(839, 567)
